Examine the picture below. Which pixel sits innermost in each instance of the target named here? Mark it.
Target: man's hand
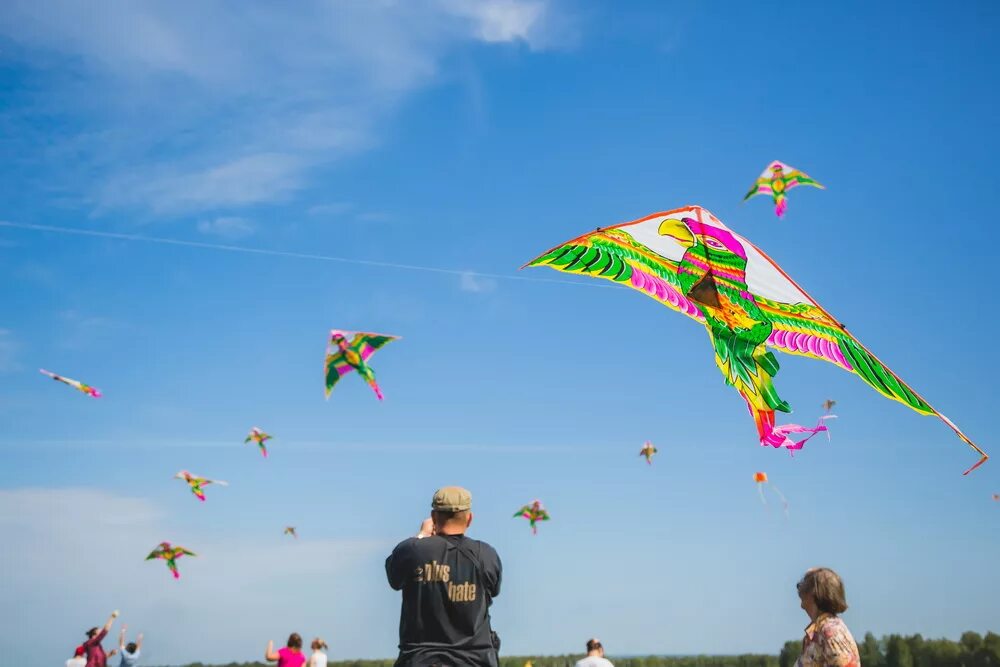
(426, 528)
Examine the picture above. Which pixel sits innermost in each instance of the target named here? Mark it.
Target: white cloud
(192, 106)
(228, 227)
(8, 352)
(476, 283)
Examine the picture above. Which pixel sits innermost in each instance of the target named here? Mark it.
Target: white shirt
(77, 662)
(594, 661)
(317, 659)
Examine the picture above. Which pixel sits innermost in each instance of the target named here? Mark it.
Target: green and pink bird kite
(533, 513)
(169, 554)
(777, 179)
(649, 451)
(689, 261)
(343, 356)
(196, 483)
(80, 386)
(258, 436)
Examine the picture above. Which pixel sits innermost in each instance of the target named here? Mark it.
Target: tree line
(972, 650)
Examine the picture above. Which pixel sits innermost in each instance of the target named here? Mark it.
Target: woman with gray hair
(827, 641)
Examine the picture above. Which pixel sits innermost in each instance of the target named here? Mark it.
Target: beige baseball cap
(451, 499)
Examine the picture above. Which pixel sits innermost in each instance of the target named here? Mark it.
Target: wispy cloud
(188, 107)
(476, 283)
(227, 227)
(8, 352)
(81, 330)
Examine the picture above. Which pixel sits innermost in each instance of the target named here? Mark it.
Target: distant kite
(258, 436)
(342, 357)
(648, 450)
(85, 388)
(290, 530)
(196, 483)
(776, 179)
(761, 479)
(169, 554)
(533, 513)
(828, 405)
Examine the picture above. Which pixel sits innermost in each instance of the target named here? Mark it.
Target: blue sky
(471, 137)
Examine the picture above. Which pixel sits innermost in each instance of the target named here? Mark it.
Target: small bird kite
(533, 513)
(342, 357)
(290, 530)
(776, 180)
(85, 388)
(258, 436)
(828, 405)
(996, 496)
(688, 260)
(648, 450)
(170, 554)
(761, 479)
(196, 483)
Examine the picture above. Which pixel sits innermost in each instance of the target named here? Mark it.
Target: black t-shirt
(445, 618)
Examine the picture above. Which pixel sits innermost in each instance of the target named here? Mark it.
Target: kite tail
(263, 450)
(375, 388)
(201, 496)
(784, 502)
(760, 490)
(534, 528)
(177, 575)
(780, 205)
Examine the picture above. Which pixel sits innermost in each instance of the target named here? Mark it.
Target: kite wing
(336, 368)
(795, 178)
(618, 256)
(647, 254)
(158, 552)
(761, 187)
(367, 343)
(181, 551)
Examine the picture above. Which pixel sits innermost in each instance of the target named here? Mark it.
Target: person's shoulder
(483, 547)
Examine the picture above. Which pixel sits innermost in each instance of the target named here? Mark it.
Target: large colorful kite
(533, 513)
(649, 451)
(196, 483)
(777, 179)
(258, 436)
(342, 357)
(85, 388)
(688, 260)
(170, 554)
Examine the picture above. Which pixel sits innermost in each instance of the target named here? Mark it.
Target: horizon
(196, 193)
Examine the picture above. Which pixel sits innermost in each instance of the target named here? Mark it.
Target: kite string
(286, 253)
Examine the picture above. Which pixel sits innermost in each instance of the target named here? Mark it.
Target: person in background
(130, 652)
(318, 658)
(92, 647)
(827, 642)
(595, 655)
(77, 660)
(448, 582)
(290, 656)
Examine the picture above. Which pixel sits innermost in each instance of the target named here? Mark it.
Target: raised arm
(121, 637)
(111, 620)
(270, 654)
(138, 642)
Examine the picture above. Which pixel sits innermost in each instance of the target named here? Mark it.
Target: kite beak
(677, 230)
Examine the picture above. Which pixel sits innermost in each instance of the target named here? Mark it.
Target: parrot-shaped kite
(648, 450)
(776, 180)
(170, 554)
(258, 436)
(342, 357)
(688, 260)
(761, 479)
(828, 405)
(533, 513)
(290, 530)
(196, 483)
(85, 388)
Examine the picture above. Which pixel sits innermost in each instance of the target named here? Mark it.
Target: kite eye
(714, 243)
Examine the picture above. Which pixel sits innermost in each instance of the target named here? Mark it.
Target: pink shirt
(290, 658)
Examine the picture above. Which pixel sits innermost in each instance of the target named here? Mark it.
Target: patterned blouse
(828, 643)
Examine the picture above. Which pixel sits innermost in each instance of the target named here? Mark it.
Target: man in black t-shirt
(448, 582)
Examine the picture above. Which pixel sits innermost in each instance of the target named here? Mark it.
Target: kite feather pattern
(689, 261)
(533, 513)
